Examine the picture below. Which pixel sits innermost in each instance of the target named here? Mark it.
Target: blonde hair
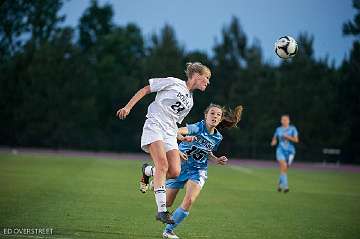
(196, 67)
(230, 118)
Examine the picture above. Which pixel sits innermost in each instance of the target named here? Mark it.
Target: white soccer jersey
(172, 103)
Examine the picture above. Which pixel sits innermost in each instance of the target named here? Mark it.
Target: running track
(143, 156)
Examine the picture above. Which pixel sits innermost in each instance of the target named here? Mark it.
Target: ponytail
(231, 118)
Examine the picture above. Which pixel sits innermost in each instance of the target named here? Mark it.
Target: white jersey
(172, 103)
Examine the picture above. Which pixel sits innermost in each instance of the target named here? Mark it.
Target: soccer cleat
(170, 235)
(286, 190)
(144, 181)
(279, 189)
(143, 187)
(164, 217)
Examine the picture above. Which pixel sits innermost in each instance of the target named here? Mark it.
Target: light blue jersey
(195, 167)
(198, 150)
(285, 149)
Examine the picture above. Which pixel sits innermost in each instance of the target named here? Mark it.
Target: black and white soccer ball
(286, 47)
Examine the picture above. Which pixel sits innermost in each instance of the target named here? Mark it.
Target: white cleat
(170, 235)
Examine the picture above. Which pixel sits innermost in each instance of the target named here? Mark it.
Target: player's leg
(147, 171)
(174, 163)
(283, 175)
(151, 133)
(192, 192)
(289, 159)
(194, 185)
(173, 156)
(174, 168)
(172, 188)
(281, 158)
(171, 194)
(173, 159)
(157, 152)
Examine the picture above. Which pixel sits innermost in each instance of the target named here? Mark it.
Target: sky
(198, 23)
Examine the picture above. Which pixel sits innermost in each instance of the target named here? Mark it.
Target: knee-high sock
(150, 171)
(280, 180)
(286, 181)
(178, 216)
(160, 198)
(283, 180)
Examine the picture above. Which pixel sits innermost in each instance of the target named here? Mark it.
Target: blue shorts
(287, 155)
(198, 176)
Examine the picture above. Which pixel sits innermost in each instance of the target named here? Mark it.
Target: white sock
(149, 171)
(160, 198)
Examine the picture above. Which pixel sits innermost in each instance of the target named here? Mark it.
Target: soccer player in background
(196, 148)
(174, 100)
(285, 136)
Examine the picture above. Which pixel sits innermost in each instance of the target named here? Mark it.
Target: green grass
(99, 198)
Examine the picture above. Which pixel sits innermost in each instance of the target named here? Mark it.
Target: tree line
(61, 86)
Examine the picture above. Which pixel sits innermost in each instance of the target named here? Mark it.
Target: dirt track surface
(143, 156)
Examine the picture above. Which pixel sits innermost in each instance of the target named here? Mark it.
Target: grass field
(99, 198)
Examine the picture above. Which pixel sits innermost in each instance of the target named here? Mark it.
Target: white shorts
(153, 131)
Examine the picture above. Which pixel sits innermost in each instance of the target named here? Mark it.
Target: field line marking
(38, 237)
(241, 169)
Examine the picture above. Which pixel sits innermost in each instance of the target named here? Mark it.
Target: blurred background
(67, 66)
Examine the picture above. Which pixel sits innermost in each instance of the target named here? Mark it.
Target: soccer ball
(286, 47)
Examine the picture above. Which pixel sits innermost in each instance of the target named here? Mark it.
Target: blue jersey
(199, 149)
(285, 144)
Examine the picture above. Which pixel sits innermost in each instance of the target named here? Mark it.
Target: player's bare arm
(219, 160)
(182, 135)
(123, 112)
(273, 141)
